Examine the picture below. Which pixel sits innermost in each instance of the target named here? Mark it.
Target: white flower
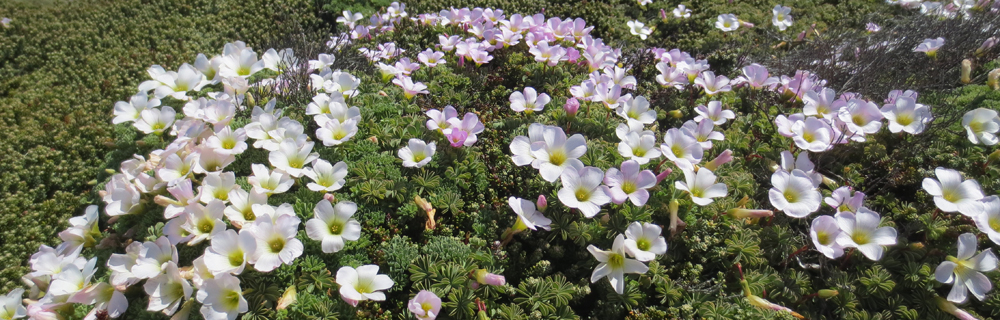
(951, 194)
(527, 215)
(820, 104)
(862, 117)
(842, 199)
(639, 29)
(132, 110)
(989, 221)
(643, 241)
(292, 156)
(679, 146)
(241, 63)
(216, 186)
(333, 224)
(470, 124)
(122, 197)
(614, 265)
(269, 182)
(520, 147)
(121, 265)
(781, 18)
(813, 134)
(556, 153)
(71, 280)
(824, 232)
(701, 186)
(801, 162)
(711, 83)
(582, 189)
(204, 222)
(240, 209)
(280, 61)
(417, 153)
(227, 141)
(103, 297)
(529, 101)
(682, 12)
(727, 22)
(210, 161)
(222, 298)
(861, 231)
(276, 242)
(636, 112)
(704, 132)
(930, 46)
(167, 290)
(638, 145)
(326, 177)
(713, 111)
(982, 125)
(10, 305)
(363, 283)
(966, 270)
(439, 119)
(153, 256)
(154, 120)
(229, 251)
(794, 193)
(177, 84)
(333, 132)
(630, 183)
(906, 115)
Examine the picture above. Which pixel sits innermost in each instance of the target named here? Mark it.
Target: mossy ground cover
(63, 66)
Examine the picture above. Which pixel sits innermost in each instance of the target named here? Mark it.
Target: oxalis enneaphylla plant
(477, 164)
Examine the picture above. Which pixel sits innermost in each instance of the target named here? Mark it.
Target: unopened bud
(988, 44)
(828, 293)
(663, 175)
(663, 15)
(740, 213)
(541, 203)
(423, 204)
(966, 71)
(110, 171)
(993, 157)
(485, 277)
(330, 197)
(746, 24)
(722, 159)
(373, 139)
(993, 79)
(676, 114)
(288, 298)
(916, 246)
(950, 308)
(572, 106)
(164, 201)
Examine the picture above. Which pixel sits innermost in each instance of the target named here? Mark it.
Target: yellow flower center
(582, 194)
(638, 152)
(861, 237)
(643, 244)
(206, 225)
(228, 144)
(995, 223)
(904, 119)
(236, 258)
(231, 299)
(858, 120)
(557, 157)
(336, 228)
(616, 261)
(677, 150)
(823, 237)
(276, 244)
(628, 187)
(790, 196)
(418, 156)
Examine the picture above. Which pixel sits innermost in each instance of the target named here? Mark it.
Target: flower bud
(993, 157)
(572, 106)
(966, 71)
(663, 175)
(330, 197)
(993, 79)
(950, 308)
(916, 246)
(740, 213)
(676, 114)
(485, 277)
(722, 159)
(663, 15)
(828, 293)
(746, 24)
(541, 203)
(288, 298)
(988, 44)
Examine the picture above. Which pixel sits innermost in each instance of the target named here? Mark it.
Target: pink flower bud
(663, 175)
(541, 203)
(739, 213)
(746, 24)
(457, 137)
(722, 159)
(663, 15)
(329, 197)
(352, 302)
(487, 278)
(572, 106)
(988, 44)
